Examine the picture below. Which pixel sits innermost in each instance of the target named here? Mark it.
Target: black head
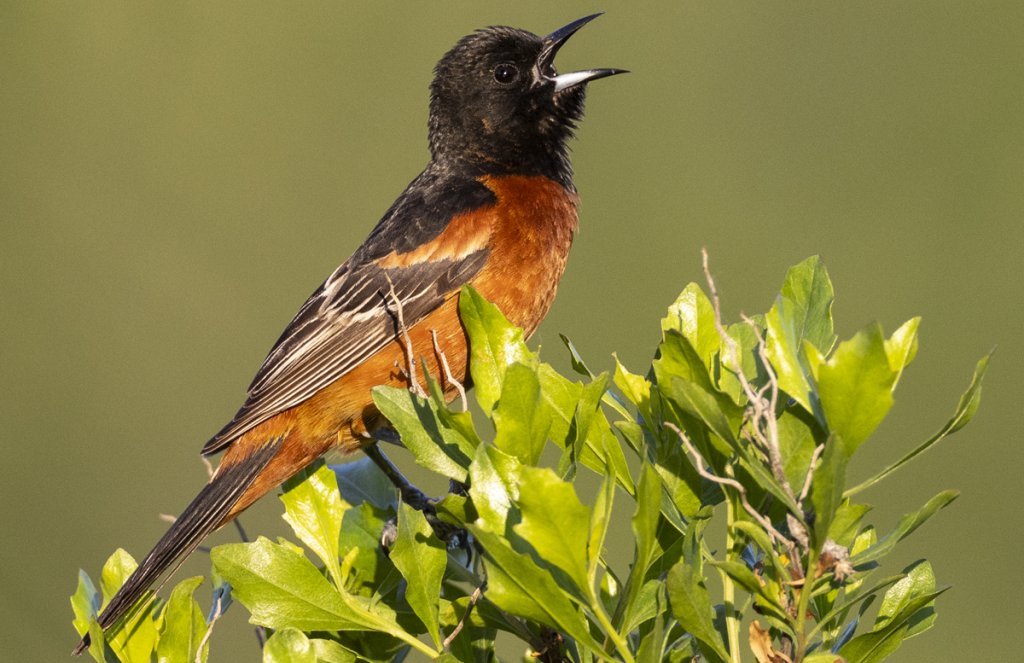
(497, 105)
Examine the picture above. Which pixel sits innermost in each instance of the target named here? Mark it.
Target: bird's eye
(506, 73)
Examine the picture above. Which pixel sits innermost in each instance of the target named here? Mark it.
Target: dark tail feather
(203, 515)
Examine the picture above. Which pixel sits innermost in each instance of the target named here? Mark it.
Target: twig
(698, 463)
(810, 472)
(411, 495)
(410, 358)
(473, 598)
(214, 616)
(449, 378)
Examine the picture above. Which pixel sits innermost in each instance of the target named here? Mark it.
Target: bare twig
(699, 465)
(448, 371)
(214, 616)
(810, 472)
(410, 358)
(473, 598)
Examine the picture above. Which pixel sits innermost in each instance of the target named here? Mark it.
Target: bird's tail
(209, 510)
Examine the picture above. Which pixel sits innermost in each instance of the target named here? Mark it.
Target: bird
(495, 208)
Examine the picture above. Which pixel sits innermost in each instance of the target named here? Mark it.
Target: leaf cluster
(751, 424)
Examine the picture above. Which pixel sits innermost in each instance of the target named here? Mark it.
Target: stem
(732, 622)
(806, 590)
(610, 631)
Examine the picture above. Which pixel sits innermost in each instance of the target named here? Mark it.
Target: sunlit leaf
(289, 645)
(905, 527)
(494, 344)
(855, 387)
(901, 347)
(314, 509)
(420, 557)
(183, 626)
(691, 605)
(521, 418)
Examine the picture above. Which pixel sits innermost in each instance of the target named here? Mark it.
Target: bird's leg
(410, 359)
(449, 378)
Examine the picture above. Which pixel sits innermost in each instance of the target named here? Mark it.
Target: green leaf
(905, 527)
(136, 639)
(289, 645)
(494, 344)
(420, 557)
(901, 347)
(494, 485)
(183, 626)
(281, 588)
(521, 418)
(329, 651)
(362, 481)
(691, 605)
(919, 581)
(883, 641)
(555, 523)
(855, 387)
(600, 519)
(314, 509)
(517, 585)
(435, 445)
(802, 311)
(693, 316)
(85, 603)
(827, 488)
(966, 408)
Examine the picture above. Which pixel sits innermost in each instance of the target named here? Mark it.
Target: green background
(176, 178)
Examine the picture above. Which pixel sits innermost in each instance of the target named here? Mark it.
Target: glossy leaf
(693, 316)
(855, 387)
(182, 626)
(901, 347)
(555, 523)
(420, 557)
(884, 640)
(289, 645)
(362, 481)
(314, 509)
(521, 417)
(919, 580)
(494, 344)
(827, 488)
(435, 445)
(136, 639)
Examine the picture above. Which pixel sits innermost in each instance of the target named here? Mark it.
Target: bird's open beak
(552, 43)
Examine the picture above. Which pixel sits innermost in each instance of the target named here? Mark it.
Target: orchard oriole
(495, 208)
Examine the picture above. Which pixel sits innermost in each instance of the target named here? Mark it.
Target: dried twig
(699, 465)
(810, 472)
(473, 598)
(449, 378)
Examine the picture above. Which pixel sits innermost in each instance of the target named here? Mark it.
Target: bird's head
(499, 105)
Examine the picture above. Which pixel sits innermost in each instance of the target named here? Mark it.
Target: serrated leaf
(691, 605)
(517, 585)
(855, 387)
(494, 344)
(433, 444)
(555, 523)
(314, 509)
(420, 557)
(521, 417)
(288, 645)
(905, 527)
(968, 405)
(281, 588)
(182, 626)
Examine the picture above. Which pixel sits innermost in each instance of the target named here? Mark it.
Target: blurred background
(176, 178)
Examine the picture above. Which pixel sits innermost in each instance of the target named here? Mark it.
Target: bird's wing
(430, 243)
(349, 318)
